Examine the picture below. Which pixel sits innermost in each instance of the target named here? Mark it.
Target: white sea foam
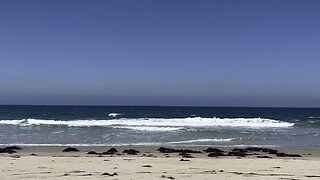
(29, 144)
(57, 132)
(149, 128)
(130, 144)
(11, 122)
(202, 140)
(93, 144)
(135, 144)
(314, 117)
(114, 114)
(160, 124)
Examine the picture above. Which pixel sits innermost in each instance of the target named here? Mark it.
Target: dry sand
(52, 163)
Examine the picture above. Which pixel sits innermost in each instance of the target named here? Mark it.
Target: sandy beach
(148, 163)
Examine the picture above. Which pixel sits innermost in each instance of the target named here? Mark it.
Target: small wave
(57, 132)
(314, 117)
(142, 123)
(311, 121)
(251, 145)
(12, 122)
(79, 145)
(202, 140)
(132, 144)
(149, 128)
(314, 123)
(114, 114)
(89, 145)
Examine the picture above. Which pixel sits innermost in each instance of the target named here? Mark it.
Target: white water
(202, 140)
(157, 124)
(12, 122)
(149, 128)
(133, 144)
(114, 114)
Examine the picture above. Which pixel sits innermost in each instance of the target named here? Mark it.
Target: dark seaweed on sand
(71, 149)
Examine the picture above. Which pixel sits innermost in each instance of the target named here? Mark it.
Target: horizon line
(200, 106)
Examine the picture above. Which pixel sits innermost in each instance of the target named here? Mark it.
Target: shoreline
(52, 163)
(83, 150)
(54, 147)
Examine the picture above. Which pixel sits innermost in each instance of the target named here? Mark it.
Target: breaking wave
(157, 124)
(202, 140)
(114, 114)
(132, 144)
(149, 128)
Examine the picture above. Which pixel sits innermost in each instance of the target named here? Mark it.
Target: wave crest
(202, 140)
(114, 114)
(157, 124)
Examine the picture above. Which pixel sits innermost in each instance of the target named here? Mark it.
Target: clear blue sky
(161, 52)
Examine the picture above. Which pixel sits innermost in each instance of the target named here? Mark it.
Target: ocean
(159, 126)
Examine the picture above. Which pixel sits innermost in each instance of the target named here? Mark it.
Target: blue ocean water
(137, 125)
